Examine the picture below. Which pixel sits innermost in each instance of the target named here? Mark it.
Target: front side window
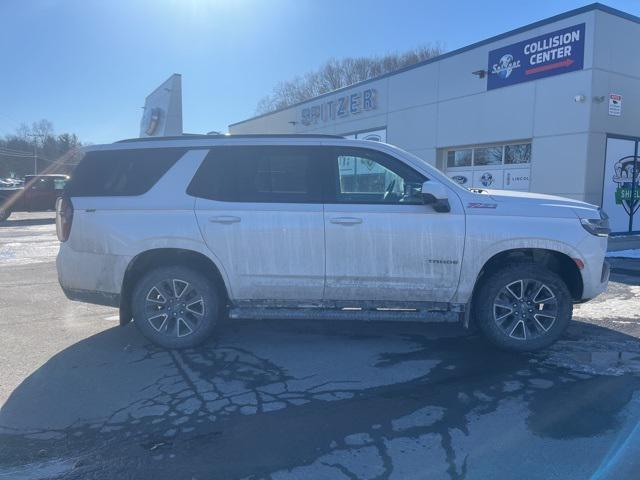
(270, 174)
(368, 176)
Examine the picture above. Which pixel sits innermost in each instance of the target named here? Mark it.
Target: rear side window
(105, 173)
(262, 174)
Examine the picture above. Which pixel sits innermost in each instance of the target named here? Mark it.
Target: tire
(513, 324)
(5, 213)
(175, 307)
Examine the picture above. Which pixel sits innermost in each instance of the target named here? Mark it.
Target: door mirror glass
(436, 195)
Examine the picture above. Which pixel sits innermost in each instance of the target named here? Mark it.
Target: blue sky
(87, 65)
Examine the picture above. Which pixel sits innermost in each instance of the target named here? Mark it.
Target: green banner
(624, 194)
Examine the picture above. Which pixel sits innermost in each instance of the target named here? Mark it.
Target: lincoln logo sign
(340, 107)
(557, 52)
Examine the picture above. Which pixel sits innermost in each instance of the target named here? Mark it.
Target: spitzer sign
(550, 54)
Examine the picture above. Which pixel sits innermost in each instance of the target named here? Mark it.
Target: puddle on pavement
(582, 408)
(38, 471)
(595, 362)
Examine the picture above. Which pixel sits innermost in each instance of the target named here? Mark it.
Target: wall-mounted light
(480, 73)
(579, 98)
(599, 99)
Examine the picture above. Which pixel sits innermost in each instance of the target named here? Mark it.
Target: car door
(260, 211)
(382, 242)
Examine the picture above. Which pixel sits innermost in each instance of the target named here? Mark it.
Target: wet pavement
(86, 399)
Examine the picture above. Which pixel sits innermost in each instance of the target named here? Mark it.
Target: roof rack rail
(196, 136)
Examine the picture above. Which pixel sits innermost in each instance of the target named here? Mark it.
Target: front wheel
(523, 307)
(175, 307)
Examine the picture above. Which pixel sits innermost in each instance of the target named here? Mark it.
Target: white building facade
(552, 107)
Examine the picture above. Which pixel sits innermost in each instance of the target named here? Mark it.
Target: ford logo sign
(461, 179)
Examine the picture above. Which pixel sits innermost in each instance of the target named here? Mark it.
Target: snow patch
(631, 253)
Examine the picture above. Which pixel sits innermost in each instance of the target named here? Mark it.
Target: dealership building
(552, 107)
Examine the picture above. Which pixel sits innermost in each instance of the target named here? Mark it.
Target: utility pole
(35, 136)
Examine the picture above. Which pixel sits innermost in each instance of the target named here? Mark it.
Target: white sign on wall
(463, 177)
(615, 105)
(487, 178)
(517, 179)
(373, 135)
(500, 178)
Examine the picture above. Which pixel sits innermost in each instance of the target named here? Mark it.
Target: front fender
(474, 262)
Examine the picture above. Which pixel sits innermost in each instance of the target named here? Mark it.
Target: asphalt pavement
(83, 398)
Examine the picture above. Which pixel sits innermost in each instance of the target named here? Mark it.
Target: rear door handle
(225, 219)
(346, 220)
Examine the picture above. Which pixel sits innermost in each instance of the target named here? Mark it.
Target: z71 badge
(481, 205)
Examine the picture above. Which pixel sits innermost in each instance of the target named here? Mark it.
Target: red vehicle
(38, 194)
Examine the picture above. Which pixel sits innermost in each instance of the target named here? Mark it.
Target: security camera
(579, 98)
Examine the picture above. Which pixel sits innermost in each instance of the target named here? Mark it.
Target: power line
(14, 154)
(40, 157)
(11, 150)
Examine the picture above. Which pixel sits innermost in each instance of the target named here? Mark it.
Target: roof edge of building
(495, 38)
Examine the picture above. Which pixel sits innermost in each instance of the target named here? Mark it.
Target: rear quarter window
(105, 173)
(261, 174)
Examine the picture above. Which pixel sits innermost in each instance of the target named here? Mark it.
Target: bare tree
(55, 153)
(335, 74)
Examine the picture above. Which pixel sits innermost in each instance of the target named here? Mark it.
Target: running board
(381, 314)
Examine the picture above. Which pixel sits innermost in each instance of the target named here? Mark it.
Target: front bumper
(595, 274)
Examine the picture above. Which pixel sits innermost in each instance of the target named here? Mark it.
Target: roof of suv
(227, 137)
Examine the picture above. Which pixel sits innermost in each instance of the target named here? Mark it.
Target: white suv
(181, 232)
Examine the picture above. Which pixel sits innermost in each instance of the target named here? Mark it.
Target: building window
(459, 158)
(509, 154)
(487, 156)
(502, 166)
(519, 153)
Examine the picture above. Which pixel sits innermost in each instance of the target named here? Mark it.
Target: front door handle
(225, 219)
(346, 220)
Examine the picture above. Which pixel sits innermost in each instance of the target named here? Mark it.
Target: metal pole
(632, 202)
(35, 151)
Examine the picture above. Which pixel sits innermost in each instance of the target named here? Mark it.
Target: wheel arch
(561, 263)
(159, 257)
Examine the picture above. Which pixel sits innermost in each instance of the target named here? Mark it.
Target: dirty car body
(179, 232)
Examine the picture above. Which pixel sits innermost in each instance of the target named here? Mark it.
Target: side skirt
(428, 313)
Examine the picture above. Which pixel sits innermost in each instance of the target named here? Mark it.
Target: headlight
(597, 226)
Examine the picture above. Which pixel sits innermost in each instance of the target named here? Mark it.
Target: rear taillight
(64, 218)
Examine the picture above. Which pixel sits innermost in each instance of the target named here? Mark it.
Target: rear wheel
(4, 214)
(175, 307)
(523, 307)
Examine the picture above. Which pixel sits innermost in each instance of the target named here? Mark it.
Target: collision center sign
(554, 53)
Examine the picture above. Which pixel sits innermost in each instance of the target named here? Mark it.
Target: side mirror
(436, 195)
